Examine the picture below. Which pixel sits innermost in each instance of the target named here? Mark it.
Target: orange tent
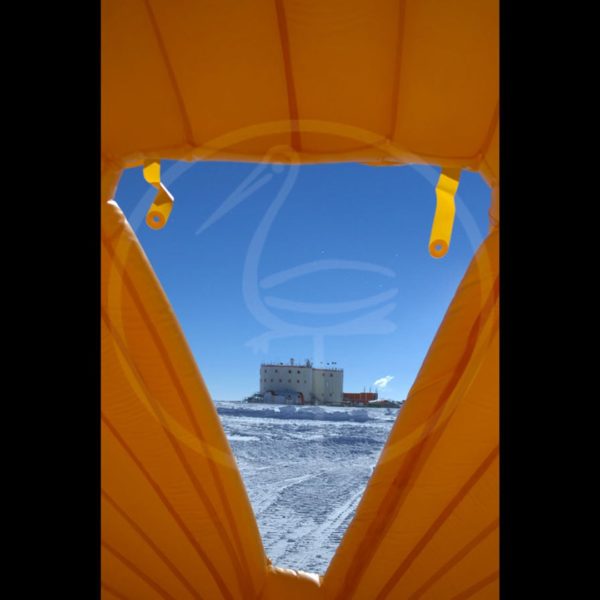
(382, 82)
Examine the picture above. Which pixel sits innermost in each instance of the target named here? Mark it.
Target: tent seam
(135, 569)
(178, 574)
(189, 135)
(456, 559)
(477, 586)
(397, 66)
(289, 75)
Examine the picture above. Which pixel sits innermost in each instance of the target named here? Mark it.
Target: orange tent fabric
(386, 83)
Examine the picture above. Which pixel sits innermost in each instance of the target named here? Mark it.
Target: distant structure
(293, 383)
(360, 397)
(301, 384)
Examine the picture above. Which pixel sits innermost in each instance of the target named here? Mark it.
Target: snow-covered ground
(305, 469)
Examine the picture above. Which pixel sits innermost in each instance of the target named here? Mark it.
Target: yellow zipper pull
(443, 220)
(158, 214)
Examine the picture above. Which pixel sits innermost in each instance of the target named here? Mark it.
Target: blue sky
(326, 262)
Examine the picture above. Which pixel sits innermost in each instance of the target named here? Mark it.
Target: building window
(289, 381)
(276, 371)
(298, 372)
(289, 370)
(280, 381)
(271, 381)
(298, 381)
(330, 374)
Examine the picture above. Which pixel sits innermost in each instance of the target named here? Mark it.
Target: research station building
(313, 386)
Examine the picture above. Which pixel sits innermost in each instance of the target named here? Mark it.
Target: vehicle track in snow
(304, 477)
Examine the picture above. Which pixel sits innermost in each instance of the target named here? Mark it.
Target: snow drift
(312, 413)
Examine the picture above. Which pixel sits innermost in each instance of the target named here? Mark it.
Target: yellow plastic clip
(443, 220)
(158, 214)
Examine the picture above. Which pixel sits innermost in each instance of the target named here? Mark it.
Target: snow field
(305, 469)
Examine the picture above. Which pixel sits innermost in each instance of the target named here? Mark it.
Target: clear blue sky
(327, 262)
